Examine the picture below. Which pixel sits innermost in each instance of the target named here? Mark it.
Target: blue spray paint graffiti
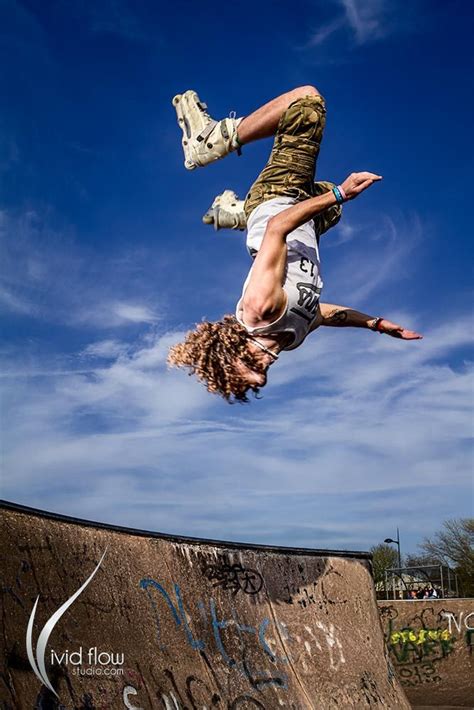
(257, 677)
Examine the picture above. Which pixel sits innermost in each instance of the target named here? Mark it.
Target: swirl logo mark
(38, 662)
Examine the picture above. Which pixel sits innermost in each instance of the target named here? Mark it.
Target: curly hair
(210, 351)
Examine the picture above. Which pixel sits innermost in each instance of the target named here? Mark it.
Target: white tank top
(302, 281)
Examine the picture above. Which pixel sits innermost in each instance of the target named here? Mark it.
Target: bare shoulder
(259, 314)
(252, 317)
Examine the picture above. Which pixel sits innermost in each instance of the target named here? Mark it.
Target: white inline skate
(226, 212)
(204, 139)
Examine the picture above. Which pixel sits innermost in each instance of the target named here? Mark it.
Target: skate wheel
(176, 99)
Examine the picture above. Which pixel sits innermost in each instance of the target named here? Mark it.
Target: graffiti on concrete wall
(244, 648)
(421, 641)
(234, 577)
(461, 622)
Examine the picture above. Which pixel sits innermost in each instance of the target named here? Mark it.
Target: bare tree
(414, 560)
(454, 546)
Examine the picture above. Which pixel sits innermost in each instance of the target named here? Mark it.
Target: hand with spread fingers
(397, 331)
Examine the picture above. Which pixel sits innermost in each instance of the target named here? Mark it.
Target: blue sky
(105, 264)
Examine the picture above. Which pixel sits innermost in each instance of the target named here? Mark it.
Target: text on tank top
(302, 280)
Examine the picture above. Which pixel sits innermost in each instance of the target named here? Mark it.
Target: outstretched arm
(340, 316)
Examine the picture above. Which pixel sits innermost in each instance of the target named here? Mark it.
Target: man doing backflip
(285, 212)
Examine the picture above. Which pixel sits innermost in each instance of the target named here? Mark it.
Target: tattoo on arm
(337, 317)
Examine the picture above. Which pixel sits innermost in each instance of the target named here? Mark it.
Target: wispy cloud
(113, 314)
(366, 18)
(363, 20)
(345, 233)
(375, 418)
(325, 31)
(350, 419)
(46, 275)
(376, 254)
(11, 302)
(9, 150)
(108, 349)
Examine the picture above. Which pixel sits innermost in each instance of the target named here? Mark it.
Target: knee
(307, 90)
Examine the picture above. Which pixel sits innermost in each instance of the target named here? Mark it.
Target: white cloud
(325, 31)
(11, 302)
(114, 314)
(109, 349)
(46, 275)
(376, 254)
(365, 17)
(349, 414)
(346, 232)
(364, 20)
(351, 422)
(134, 313)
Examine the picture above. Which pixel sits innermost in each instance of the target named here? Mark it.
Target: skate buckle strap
(235, 142)
(205, 133)
(224, 131)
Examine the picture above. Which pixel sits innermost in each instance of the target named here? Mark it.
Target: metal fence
(427, 582)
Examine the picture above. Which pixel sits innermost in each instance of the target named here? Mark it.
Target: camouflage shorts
(292, 163)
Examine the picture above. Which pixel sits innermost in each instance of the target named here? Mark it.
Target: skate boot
(204, 139)
(226, 212)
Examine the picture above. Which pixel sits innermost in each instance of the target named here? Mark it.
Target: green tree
(384, 557)
(453, 545)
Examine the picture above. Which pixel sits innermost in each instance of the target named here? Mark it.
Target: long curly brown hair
(210, 351)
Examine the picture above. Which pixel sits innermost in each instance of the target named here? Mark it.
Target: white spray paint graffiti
(451, 617)
(130, 690)
(167, 702)
(333, 643)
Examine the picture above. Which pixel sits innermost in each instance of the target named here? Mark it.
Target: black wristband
(374, 325)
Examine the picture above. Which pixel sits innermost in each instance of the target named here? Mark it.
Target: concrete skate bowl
(181, 623)
(431, 645)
